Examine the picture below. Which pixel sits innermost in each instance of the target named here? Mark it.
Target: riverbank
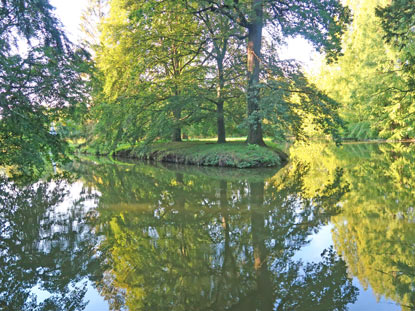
(203, 153)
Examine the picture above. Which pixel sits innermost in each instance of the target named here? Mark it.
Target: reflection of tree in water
(194, 242)
(41, 247)
(376, 232)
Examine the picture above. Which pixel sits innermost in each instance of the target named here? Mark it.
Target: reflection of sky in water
(96, 302)
(366, 301)
(318, 243)
(309, 253)
(74, 194)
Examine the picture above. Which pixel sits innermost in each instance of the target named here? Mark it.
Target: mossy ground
(206, 153)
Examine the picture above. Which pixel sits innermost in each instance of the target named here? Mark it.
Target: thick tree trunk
(177, 134)
(254, 54)
(221, 123)
(177, 131)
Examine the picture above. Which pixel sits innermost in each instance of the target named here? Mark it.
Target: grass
(234, 153)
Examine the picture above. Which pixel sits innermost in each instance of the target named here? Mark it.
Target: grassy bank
(205, 153)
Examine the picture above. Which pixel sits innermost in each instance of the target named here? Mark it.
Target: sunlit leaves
(371, 80)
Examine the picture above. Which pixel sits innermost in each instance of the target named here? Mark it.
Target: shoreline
(230, 154)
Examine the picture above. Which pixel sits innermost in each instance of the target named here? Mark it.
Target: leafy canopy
(40, 83)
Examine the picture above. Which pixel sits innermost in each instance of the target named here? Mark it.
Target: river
(332, 230)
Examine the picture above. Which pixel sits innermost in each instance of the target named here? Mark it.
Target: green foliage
(376, 232)
(293, 106)
(39, 85)
(321, 23)
(147, 73)
(172, 67)
(372, 80)
(361, 131)
(398, 21)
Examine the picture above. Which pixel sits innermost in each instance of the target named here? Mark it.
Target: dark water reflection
(40, 246)
(151, 237)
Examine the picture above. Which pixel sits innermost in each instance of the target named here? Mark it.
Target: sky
(69, 12)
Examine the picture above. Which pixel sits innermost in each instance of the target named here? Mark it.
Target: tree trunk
(221, 123)
(254, 54)
(177, 131)
(220, 100)
(177, 134)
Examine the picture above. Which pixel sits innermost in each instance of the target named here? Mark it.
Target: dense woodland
(172, 70)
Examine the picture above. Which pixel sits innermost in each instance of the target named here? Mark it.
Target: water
(332, 230)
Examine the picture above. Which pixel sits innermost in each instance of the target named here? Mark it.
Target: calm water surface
(332, 230)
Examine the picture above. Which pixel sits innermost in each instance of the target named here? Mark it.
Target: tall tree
(223, 50)
(372, 81)
(398, 23)
(321, 22)
(147, 57)
(40, 82)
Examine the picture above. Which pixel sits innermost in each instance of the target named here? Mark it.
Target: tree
(156, 58)
(372, 80)
(92, 16)
(40, 83)
(398, 22)
(150, 83)
(223, 47)
(321, 22)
